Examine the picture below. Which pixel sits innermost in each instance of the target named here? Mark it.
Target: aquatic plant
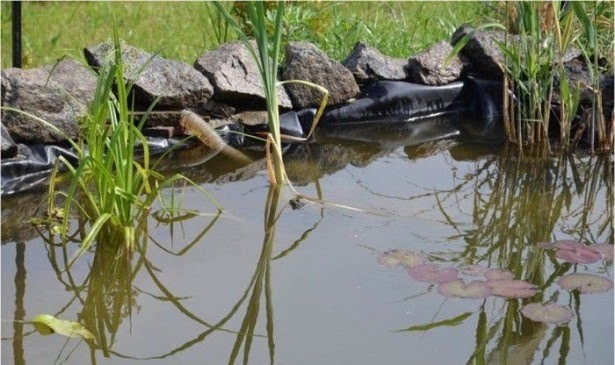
(112, 187)
(535, 73)
(267, 56)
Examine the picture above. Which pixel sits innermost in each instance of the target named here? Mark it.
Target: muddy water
(307, 287)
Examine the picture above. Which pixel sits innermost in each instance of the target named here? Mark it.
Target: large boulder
(367, 64)
(430, 67)
(234, 74)
(482, 51)
(177, 84)
(59, 94)
(304, 61)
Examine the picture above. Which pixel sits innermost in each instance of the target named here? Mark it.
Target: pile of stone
(223, 85)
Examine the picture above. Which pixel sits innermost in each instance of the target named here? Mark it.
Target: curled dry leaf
(495, 274)
(512, 288)
(585, 283)
(432, 273)
(458, 288)
(396, 257)
(474, 270)
(547, 313)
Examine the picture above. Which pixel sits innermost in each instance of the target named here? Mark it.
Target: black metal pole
(16, 17)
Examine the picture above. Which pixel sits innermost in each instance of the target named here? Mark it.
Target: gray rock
(8, 146)
(176, 84)
(235, 77)
(304, 61)
(368, 64)
(60, 98)
(482, 51)
(430, 67)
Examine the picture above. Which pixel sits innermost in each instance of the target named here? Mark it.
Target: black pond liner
(387, 113)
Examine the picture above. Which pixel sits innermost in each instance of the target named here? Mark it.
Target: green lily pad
(585, 283)
(547, 313)
(47, 324)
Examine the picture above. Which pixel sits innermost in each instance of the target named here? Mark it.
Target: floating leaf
(512, 288)
(495, 274)
(605, 249)
(585, 283)
(394, 258)
(431, 273)
(547, 313)
(447, 322)
(46, 324)
(576, 253)
(457, 288)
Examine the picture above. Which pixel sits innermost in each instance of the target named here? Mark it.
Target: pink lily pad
(585, 283)
(495, 274)
(547, 313)
(605, 249)
(577, 254)
(457, 288)
(394, 258)
(512, 288)
(431, 273)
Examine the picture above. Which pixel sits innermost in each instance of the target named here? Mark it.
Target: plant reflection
(519, 203)
(107, 294)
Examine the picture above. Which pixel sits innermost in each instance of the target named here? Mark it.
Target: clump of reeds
(111, 188)
(535, 72)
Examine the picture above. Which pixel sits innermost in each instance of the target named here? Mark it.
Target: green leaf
(47, 324)
(452, 322)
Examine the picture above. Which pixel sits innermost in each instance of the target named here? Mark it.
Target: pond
(321, 283)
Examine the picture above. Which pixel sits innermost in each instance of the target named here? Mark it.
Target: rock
(235, 76)
(9, 147)
(176, 84)
(367, 64)
(482, 51)
(61, 99)
(304, 61)
(429, 67)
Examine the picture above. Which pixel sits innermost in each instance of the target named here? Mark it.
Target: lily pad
(577, 253)
(458, 288)
(432, 273)
(547, 313)
(47, 324)
(512, 288)
(585, 283)
(395, 257)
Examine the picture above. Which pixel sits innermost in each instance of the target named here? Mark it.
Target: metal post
(16, 17)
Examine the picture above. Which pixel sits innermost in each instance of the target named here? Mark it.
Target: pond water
(313, 286)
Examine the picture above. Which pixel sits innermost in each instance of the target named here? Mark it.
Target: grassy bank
(183, 30)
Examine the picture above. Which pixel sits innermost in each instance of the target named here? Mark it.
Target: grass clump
(111, 188)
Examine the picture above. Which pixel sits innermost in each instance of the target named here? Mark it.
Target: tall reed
(266, 56)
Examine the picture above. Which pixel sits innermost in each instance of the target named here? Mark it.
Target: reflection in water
(519, 203)
(499, 210)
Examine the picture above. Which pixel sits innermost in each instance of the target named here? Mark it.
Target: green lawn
(184, 30)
